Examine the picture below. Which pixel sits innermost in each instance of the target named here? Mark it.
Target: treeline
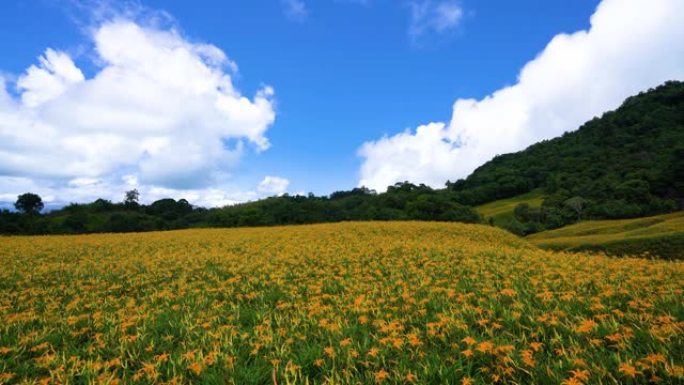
(103, 216)
(403, 201)
(628, 163)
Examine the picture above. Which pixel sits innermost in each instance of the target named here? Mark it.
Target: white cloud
(55, 73)
(160, 108)
(434, 16)
(89, 189)
(273, 185)
(295, 9)
(632, 45)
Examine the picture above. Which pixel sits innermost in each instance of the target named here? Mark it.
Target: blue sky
(344, 73)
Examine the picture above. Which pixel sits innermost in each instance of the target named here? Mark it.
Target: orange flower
(161, 357)
(381, 376)
(582, 375)
(195, 368)
(485, 347)
(536, 346)
(628, 370)
(571, 381)
(586, 326)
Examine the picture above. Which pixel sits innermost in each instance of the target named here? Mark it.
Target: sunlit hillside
(661, 235)
(369, 303)
(502, 210)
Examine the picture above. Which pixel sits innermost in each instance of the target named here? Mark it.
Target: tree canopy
(29, 203)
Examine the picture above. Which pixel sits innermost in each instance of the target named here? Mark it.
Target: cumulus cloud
(433, 16)
(273, 185)
(159, 107)
(631, 45)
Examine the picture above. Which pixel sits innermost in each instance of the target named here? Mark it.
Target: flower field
(349, 303)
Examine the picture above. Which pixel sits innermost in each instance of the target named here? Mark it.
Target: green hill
(628, 163)
(661, 235)
(503, 209)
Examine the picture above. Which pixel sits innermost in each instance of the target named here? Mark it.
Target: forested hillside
(627, 163)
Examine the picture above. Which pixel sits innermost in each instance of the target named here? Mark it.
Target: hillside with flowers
(356, 302)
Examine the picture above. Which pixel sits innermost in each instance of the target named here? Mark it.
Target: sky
(221, 102)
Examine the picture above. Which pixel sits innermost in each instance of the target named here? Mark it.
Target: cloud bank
(160, 110)
(631, 45)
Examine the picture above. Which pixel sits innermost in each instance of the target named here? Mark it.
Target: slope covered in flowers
(391, 303)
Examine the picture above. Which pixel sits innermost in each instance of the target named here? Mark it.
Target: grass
(502, 210)
(661, 235)
(346, 303)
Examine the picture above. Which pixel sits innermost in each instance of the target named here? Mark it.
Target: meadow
(502, 210)
(347, 303)
(660, 235)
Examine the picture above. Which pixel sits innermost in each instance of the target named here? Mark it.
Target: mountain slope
(628, 163)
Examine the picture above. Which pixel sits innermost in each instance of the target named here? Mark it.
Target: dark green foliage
(403, 201)
(666, 246)
(29, 203)
(132, 197)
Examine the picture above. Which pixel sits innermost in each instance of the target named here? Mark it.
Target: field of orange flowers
(368, 303)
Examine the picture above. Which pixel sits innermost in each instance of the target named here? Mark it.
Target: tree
(522, 212)
(576, 203)
(29, 203)
(132, 197)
